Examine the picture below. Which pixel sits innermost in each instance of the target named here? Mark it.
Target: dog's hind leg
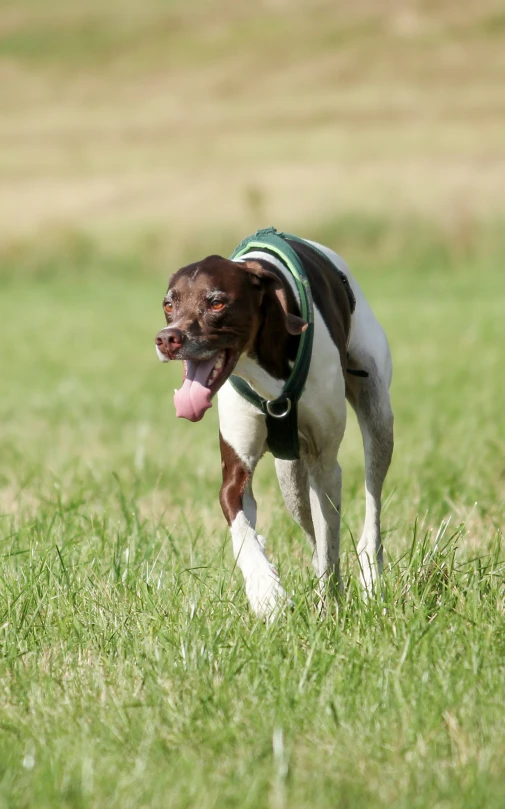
(370, 399)
(325, 476)
(368, 351)
(293, 480)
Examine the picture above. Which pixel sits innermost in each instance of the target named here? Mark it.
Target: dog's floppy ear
(272, 285)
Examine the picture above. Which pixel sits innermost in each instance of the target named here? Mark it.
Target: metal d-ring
(277, 415)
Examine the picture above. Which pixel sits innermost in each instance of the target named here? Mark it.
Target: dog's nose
(169, 340)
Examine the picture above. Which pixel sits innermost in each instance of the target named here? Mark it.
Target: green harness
(282, 413)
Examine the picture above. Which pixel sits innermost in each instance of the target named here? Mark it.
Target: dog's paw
(265, 592)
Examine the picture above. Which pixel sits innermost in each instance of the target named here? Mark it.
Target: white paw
(265, 592)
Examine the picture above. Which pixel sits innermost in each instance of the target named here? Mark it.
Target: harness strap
(282, 413)
(343, 277)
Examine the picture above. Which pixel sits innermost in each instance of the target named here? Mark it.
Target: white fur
(312, 486)
(322, 404)
(367, 336)
(262, 583)
(161, 356)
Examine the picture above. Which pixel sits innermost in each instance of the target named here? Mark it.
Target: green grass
(136, 137)
(132, 673)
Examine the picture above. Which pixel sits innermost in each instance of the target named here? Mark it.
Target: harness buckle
(268, 407)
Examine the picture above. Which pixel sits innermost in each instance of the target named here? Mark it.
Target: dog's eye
(216, 306)
(168, 307)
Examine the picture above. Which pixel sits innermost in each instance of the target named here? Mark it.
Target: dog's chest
(322, 407)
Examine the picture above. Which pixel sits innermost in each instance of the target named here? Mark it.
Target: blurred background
(137, 136)
(187, 116)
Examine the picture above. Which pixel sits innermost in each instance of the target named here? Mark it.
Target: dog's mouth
(202, 379)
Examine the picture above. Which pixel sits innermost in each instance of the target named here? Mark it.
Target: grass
(136, 137)
(132, 672)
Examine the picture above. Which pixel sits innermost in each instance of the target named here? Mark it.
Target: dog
(243, 316)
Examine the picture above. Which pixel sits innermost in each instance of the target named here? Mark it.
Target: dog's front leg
(262, 584)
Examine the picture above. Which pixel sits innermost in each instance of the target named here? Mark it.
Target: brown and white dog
(242, 316)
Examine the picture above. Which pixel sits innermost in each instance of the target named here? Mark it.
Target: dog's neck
(266, 367)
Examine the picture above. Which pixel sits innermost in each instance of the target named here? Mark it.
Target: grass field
(132, 673)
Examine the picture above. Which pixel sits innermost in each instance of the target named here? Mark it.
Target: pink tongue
(193, 399)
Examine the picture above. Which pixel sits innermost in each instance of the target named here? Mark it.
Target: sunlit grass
(137, 137)
(133, 673)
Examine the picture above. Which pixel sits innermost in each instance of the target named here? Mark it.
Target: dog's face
(215, 310)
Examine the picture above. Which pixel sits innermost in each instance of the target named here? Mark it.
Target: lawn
(132, 673)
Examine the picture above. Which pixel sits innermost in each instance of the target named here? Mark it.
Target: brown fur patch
(329, 294)
(235, 478)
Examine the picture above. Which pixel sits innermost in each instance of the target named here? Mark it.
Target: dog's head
(216, 310)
